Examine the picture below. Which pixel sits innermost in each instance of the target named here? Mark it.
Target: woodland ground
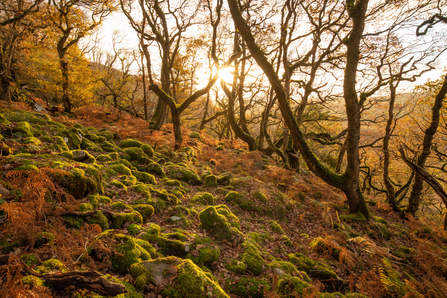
(89, 192)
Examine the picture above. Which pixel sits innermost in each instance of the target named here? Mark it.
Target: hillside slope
(94, 193)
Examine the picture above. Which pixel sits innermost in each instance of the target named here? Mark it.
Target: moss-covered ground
(202, 221)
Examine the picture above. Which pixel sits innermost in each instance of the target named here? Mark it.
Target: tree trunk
(5, 91)
(65, 96)
(415, 196)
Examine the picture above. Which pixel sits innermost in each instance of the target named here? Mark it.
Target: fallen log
(88, 280)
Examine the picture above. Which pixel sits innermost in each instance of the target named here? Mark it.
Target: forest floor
(94, 206)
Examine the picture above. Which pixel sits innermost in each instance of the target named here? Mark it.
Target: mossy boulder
(252, 257)
(83, 156)
(211, 181)
(61, 145)
(23, 130)
(225, 178)
(155, 168)
(109, 147)
(220, 222)
(118, 168)
(194, 135)
(136, 154)
(145, 210)
(236, 266)
(204, 252)
(129, 250)
(103, 158)
(183, 174)
(288, 285)
(188, 279)
(33, 141)
(4, 121)
(203, 199)
(144, 177)
(127, 143)
(353, 217)
(148, 150)
(249, 288)
(81, 182)
(72, 137)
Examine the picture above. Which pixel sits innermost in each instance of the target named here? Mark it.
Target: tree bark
(415, 196)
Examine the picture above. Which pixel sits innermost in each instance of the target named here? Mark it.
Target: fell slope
(211, 220)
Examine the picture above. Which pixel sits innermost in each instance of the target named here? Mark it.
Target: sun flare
(226, 75)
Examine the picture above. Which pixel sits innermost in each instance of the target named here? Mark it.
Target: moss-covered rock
(32, 281)
(144, 177)
(353, 217)
(145, 210)
(183, 174)
(211, 181)
(80, 183)
(4, 121)
(134, 229)
(109, 147)
(249, 288)
(99, 219)
(220, 222)
(72, 137)
(136, 154)
(203, 199)
(236, 266)
(189, 280)
(252, 257)
(23, 130)
(142, 189)
(33, 141)
(288, 284)
(127, 143)
(148, 150)
(225, 178)
(204, 252)
(194, 135)
(155, 168)
(61, 145)
(98, 200)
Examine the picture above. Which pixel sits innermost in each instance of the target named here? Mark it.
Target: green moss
(144, 177)
(33, 141)
(194, 135)
(155, 168)
(89, 145)
(100, 219)
(120, 219)
(118, 184)
(85, 207)
(380, 220)
(233, 196)
(128, 180)
(134, 229)
(276, 227)
(145, 210)
(183, 174)
(114, 155)
(109, 147)
(249, 288)
(379, 231)
(130, 143)
(260, 197)
(32, 281)
(137, 154)
(171, 182)
(29, 259)
(203, 199)
(23, 130)
(73, 222)
(220, 222)
(288, 284)
(4, 121)
(236, 266)
(118, 168)
(252, 257)
(189, 279)
(148, 150)
(353, 216)
(27, 167)
(205, 252)
(211, 181)
(61, 145)
(72, 137)
(98, 200)
(152, 232)
(130, 252)
(143, 189)
(51, 264)
(107, 134)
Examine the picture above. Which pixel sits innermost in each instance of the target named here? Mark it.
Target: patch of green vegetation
(203, 199)
(98, 200)
(118, 184)
(155, 168)
(130, 143)
(72, 137)
(23, 130)
(189, 278)
(249, 288)
(183, 174)
(220, 222)
(259, 196)
(134, 229)
(252, 257)
(145, 210)
(288, 284)
(50, 265)
(211, 181)
(379, 230)
(33, 141)
(144, 177)
(109, 147)
(29, 259)
(148, 150)
(208, 252)
(32, 281)
(353, 217)
(100, 219)
(236, 266)
(137, 154)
